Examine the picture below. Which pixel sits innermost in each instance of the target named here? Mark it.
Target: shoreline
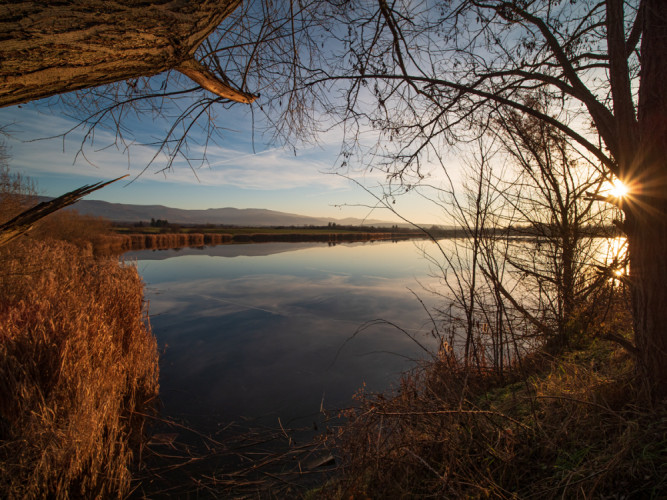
(120, 243)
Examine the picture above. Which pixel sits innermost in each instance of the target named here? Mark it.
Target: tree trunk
(646, 208)
(48, 48)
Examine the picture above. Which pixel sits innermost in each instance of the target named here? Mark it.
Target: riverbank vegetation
(78, 362)
(119, 243)
(569, 426)
(507, 409)
(120, 238)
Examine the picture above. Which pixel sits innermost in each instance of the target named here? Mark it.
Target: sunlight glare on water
(613, 251)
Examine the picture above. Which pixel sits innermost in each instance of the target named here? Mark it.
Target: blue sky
(271, 177)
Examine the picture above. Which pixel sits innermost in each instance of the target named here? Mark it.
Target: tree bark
(48, 48)
(646, 207)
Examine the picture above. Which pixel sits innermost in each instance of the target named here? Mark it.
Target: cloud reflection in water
(259, 335)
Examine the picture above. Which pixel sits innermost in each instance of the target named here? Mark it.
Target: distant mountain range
(254, 217)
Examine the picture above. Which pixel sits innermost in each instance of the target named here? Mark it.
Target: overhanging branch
(201, 75)
(466, 89)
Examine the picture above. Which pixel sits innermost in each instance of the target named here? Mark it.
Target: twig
(453, 412)
(426, 464)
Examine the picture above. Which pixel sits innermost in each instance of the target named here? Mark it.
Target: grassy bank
(574, 426)
(78, 368)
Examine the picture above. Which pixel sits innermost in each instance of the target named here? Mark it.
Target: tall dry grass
(78, 369)
(110, 243)
(73, 227)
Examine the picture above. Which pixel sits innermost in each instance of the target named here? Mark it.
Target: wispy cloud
(268, 169)
(270, 177)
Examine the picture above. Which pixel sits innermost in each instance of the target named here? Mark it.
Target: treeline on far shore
(119, 243)
(116, 239)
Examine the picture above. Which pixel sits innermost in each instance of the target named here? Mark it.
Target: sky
(245, 170)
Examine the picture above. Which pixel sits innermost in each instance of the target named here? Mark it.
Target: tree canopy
(427, 75)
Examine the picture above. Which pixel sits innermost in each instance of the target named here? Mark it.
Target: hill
(254, 217)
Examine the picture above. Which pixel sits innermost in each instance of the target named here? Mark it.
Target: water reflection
(613, 252)
(254, 330)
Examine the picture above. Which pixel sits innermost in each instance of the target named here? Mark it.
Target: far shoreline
(165, 236)
(121, 243)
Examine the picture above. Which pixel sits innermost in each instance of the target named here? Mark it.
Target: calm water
(268, 330)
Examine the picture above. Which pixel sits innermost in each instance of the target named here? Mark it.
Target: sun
(618, 189)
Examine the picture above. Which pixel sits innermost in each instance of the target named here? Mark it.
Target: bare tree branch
(26, 219)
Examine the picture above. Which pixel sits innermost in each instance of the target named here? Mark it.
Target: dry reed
(116, 243)
(78, 365)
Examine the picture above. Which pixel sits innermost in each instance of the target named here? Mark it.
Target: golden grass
(118, 243)
(78, 364)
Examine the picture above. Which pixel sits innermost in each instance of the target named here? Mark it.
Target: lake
(272, 330)
(259, 338)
